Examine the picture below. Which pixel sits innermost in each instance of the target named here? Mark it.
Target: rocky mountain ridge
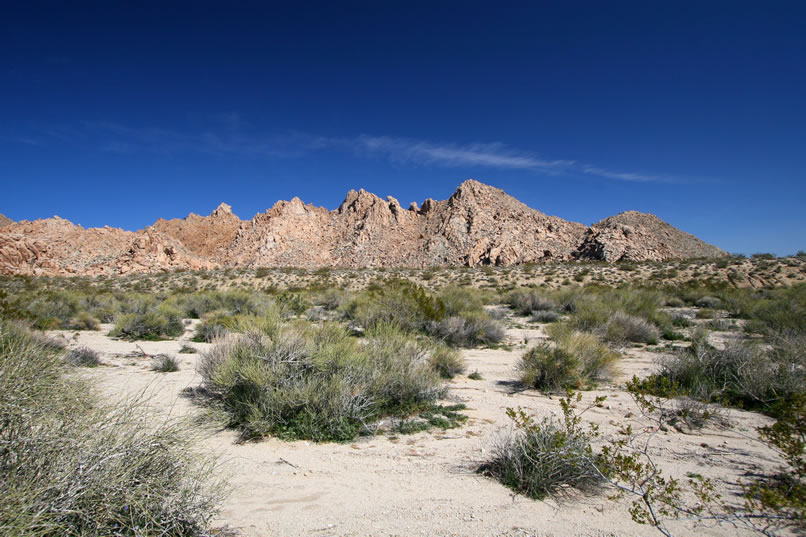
(477, 225)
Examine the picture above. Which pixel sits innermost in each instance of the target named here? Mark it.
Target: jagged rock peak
(5, 220)
(222, 210)
(478, 224)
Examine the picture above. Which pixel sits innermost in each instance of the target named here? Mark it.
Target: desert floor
(426, 483)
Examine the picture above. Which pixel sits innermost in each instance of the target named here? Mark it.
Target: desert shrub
(214, 326)
(446, 361)
(476, 375)
(159, 323)
(544, 457)
(318, 382)
(527, 302)
(232, 302)
(674, 302)
(51, 309)
(400, 302)
(592, 307)
(187, 349)
(681, 320)
(82, 321)
(83, 357)
(545, 316)
(102, 306)
(777, 310)
(575, 360)
(459, 300)
(72, 466)
(164, 363)
(468, 330)
(622, 328)
(708, 302)
(781, 497)
(743, 374)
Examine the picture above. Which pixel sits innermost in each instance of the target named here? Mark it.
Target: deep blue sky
(121, 112)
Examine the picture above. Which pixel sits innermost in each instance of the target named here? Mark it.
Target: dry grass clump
(574, 360)
(622, 328)
(164, 363)
(446, 361)
(72, 466)
(319, 383)
(82, 357)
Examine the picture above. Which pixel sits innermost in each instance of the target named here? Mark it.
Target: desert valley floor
(426, 483)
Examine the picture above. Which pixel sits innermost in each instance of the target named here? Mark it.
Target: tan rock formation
(5, 220)
(641, 237)
(477, 225)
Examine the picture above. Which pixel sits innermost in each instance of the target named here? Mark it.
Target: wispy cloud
(490, 155)
(494, 155)
(228, 135)
(634, 177)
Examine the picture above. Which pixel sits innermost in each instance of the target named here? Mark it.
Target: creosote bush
(574, 360)
(72, 466)
(318, 382)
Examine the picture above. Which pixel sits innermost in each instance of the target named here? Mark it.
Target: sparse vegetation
(164, 363)
(72, 466)
(83, 357)
(542, 457)
(319, 383)
(574, 360)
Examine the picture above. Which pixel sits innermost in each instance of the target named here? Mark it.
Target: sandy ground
(426, 484)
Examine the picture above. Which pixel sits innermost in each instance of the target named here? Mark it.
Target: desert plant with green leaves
(573, 360)
(318, 382)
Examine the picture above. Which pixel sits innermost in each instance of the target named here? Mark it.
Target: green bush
(575, 360)
(544, 457)
(156, 324)
(447, 362)
(527, 302)
(743, 374)
(72, 466)
(318, 382)
(401, 302)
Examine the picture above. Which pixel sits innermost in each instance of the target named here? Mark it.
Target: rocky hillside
(477, 225)
(640, 236)
(5, 220)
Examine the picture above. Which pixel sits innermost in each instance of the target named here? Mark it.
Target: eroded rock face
(478, 224)
(638, 236)
(5, 220)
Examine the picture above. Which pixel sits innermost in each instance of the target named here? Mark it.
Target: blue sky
(117, 113)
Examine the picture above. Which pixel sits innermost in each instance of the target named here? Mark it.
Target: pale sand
(425, 484)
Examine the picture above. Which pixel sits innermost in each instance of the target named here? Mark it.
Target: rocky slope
(478, 224)
(639, 236)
